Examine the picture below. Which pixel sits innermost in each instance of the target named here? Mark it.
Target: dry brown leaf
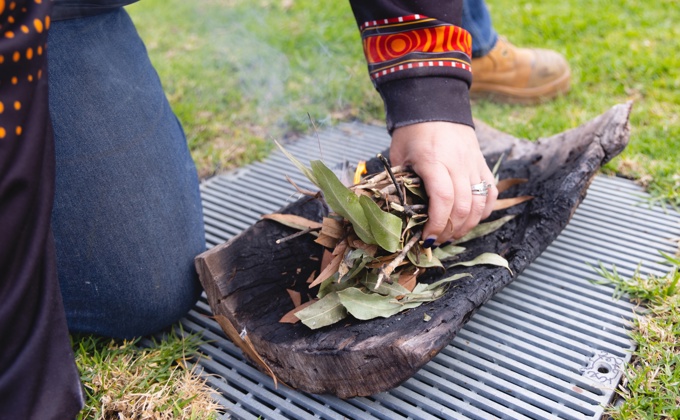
(326, 241)
(332, 267)
(292, 220)
(332, 228)
(290, 318)
(509, 202)
(370, 250)
(244, 344)
(325, 260)
(505, 184)
(311, 277)
(407, 278)
(295, 296)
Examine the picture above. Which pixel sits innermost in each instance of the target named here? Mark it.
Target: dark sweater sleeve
(38, 376)
(418, 58)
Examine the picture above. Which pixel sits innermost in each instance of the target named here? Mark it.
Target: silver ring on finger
(481, 188)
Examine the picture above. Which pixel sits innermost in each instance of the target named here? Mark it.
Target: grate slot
(575, 333)
(525, 364)
(538, 274)
(447, 393)
(557, 312)
(487, 387)
(504, 380)
(521, 347)
(586, 306)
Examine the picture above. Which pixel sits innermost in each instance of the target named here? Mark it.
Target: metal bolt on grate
(550, 345)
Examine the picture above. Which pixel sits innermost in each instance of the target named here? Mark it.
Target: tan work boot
(519, 75)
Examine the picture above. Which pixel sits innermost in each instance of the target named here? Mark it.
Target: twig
(388, 168)
(386, 271)
(303, 191)
(296, 234)
(317, 134)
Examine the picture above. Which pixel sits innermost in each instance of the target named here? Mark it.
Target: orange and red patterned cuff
(414, 46)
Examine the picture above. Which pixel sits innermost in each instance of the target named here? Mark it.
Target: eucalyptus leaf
(486, 258)
(446, 280)
(293, 221)
(385, 227)
(497, 166)
(422, 261)
(327, 286)
(305, 170)
(448, 251)
(357, 259)
(420, 288)
(325, 312)
(413, 222)
(385, 289)
(484, 229)
(424, 296)
(343, 201)
(371, 305)
(419, 191)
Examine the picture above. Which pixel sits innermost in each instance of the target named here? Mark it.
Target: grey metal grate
(550, 345)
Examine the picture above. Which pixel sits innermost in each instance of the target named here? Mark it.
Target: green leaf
(483, 229)
(446, 280)
(418, 191)
(497, 166)
(305, 170)
(343, 201)
(327, 286)
(448, 251)
(325, 312)
(357, 259)
(485, 258)
(424, 296)
(385, 289)
(371, 305)
(422, 261)
(385, 227)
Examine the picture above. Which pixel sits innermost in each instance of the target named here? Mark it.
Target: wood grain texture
(246, 278)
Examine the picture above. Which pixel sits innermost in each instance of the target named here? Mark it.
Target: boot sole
(523, 96)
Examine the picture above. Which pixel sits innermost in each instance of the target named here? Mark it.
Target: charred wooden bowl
(246, 278)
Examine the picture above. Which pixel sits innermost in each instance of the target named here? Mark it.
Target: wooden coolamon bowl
(246, 278)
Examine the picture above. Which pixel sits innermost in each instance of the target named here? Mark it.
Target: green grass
(651, 386)
(123, 379)
(240, 73)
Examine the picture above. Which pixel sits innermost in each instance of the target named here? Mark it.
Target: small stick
(317, 134)
(387, 270)
(388, 168)
(296, 234)
(303, 191)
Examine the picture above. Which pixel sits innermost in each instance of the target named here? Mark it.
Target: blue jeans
(127, 216)
(477, 21)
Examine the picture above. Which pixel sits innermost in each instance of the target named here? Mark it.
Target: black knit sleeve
(418, 58)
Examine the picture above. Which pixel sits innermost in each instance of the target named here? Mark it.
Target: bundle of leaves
(374, 253)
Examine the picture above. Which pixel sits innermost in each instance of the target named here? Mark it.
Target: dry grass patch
(125, 380)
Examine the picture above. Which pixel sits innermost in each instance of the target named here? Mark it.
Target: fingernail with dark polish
(445, 244)
(429, 242)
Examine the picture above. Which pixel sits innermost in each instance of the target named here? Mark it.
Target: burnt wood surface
(246, 278)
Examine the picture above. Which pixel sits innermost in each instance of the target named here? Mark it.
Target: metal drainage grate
(550, 345)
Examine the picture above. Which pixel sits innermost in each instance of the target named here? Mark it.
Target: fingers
(440, 192)
(448, 159)
(481, 208)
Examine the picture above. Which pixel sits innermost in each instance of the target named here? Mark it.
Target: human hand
(447, 158)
